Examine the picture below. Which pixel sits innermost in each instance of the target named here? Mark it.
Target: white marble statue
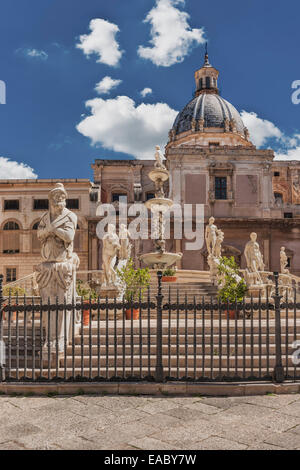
(219, 241)
(283, 261)
(111, 247)
(211, 232)
(124, 236)
(254, 260)
(56, 275)
(214, 238)
(159, 158)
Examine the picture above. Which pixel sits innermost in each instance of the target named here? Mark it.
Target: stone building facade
(23, 203)
(211, 161)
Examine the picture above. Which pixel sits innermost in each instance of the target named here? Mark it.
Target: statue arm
(66, 233)
(42, 232)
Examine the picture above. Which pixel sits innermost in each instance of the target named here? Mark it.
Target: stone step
(144, 360)
(102, 349)
(182, 339)
(94, 373)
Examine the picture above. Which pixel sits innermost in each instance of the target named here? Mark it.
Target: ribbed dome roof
(212, 109)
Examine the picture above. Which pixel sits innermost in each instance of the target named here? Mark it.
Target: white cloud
(118, 124)
(10, 169)
(260, 129)
(263, 131)
(101, 41)
(146, 91)
(289, 154)
(172, 38)
(106, 85)
(33, 53)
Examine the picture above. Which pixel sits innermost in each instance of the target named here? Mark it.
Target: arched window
(11, 237)
(35, 243)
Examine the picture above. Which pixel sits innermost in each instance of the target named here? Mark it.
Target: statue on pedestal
(125, 245)
(214, 238)
(283, 261)
(56, 275)
(254, 260)
(111, 247)
(219, 241)
(211, 236)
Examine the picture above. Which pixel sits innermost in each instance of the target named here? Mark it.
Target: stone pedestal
(109, 292)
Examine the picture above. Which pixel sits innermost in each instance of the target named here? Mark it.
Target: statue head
(253, 236)
(57, 197)
(157, 147)
(282, 248)
(211, 220)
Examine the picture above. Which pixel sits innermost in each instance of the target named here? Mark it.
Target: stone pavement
(151, 423)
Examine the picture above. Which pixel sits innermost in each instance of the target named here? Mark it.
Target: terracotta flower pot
(86, 317)
(132, 313)
(169, 279)
(231, 314)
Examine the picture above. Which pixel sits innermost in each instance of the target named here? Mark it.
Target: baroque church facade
(211, 161)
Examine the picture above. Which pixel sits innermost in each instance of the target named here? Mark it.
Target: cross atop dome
(207, 77)
(206, 61)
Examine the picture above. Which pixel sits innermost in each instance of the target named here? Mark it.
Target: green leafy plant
(233, 285)
(15, 291)
(85, 291)
(169, 272)
(136, 281)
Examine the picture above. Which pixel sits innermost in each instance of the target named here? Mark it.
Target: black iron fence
(163, 336)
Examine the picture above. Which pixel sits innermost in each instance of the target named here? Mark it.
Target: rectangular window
(276, 173)
(117, 196)
(40, 204)
(220, 187)
(11, 205)
(73, 204)
(288, 215)
(11, 274)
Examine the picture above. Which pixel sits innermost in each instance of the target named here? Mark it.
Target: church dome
(210, 108)
(208, 113)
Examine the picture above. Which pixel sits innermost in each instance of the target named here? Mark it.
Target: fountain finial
(159, 158)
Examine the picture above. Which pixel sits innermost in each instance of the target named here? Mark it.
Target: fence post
(2, 347)
(159, 372)
(278, 373)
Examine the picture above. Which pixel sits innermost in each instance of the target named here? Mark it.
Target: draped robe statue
(56, 275)
(254, 259)
(111, 247)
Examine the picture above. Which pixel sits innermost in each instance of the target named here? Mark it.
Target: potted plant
(169, 275)
(136, 281)
(233, 286)
(15, 291)
(86, 293)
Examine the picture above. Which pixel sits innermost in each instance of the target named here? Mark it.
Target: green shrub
(169, 272)
(85, 291)
(136, 281)
(233, 286)
(15, 291)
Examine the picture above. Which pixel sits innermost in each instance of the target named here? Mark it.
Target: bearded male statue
(56, 275)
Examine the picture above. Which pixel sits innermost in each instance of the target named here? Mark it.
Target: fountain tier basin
(160, 260)
(159, 204)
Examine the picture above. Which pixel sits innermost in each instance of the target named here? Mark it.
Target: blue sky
(254, 45)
